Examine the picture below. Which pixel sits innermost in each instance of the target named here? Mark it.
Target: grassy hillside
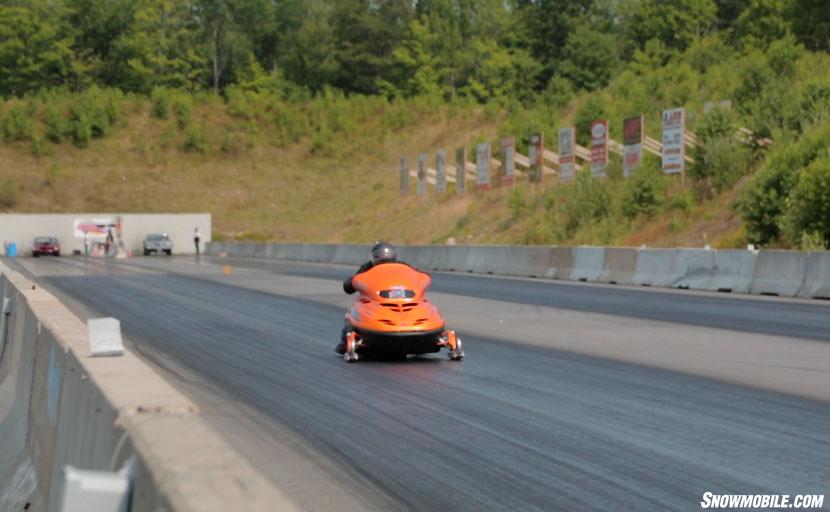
(257, 183)
(326, 168)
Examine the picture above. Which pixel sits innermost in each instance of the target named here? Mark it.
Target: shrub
(517, 200)
(814, 104)
(182, 106)
(161, 102)
(243, 104)
(719, 122)
(643, 193)
(81, 130)
(39, 147)
(17, 123)
(194, 140)
(291, 124)
(589, 201)
(762, 203)
(682, 202)
(8, 193)
(57, 122)
(93, 113)
(808, 207)
(719, 163)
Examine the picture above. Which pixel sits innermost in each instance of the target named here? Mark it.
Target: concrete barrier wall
(786, 273)
(779, 273)
(588, 263)
(22, 228)
(619, 265)
(817, 276)
(59, 406)
(653, 267)
(691, 268)
(732, 271)
(561, 263)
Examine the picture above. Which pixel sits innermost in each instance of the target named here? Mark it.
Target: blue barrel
(11, 250)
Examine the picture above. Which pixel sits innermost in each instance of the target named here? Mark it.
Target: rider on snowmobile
(382, 252)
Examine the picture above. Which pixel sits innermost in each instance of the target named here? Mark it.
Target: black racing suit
(348, 287)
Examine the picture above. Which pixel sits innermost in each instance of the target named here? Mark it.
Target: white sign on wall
(95, 229)
(674, 124)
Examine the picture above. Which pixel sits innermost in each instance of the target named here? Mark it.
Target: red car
(46, 245)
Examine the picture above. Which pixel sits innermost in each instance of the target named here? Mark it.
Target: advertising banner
(460, 170)
(483, 166)
(422, 174)
(441, 171)
(94, 229)
(633, 131)
(535, 152)
(508, 146)
(404, 175)
(674, 124)
(566, 154)
(599, 148)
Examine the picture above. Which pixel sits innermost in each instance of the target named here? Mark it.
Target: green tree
(590, 57)
(762, 203)
(365, 35)
(162, 48)
(34, 53)
(811, 23)
(547, 25)
(675, 24)
(808, 206)
(417, 63)
(499, 73)
(763, 21)
(97, 27)
(309, 56)
(224, 45)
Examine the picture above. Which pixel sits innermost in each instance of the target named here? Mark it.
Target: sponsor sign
(441, 171)
(483, 166)
(94, 229)
(566, 154)
(460, 170)
(508, 147)
(422, 174)
(633, 130)
(674, 124)
(599, 148)
(404, 175)
(535, 151)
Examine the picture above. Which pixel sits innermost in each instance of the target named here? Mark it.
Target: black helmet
(383, 252)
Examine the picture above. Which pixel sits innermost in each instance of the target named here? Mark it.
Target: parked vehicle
(46, 245)
(158, 243)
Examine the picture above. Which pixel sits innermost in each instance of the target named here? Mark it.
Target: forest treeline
(485, 49)
(334, 75)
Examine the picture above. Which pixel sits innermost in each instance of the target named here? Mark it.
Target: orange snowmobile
(392, 316)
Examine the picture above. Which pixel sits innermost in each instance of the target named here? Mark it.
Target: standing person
(196, 239)
(108, 243)
(86, 244)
